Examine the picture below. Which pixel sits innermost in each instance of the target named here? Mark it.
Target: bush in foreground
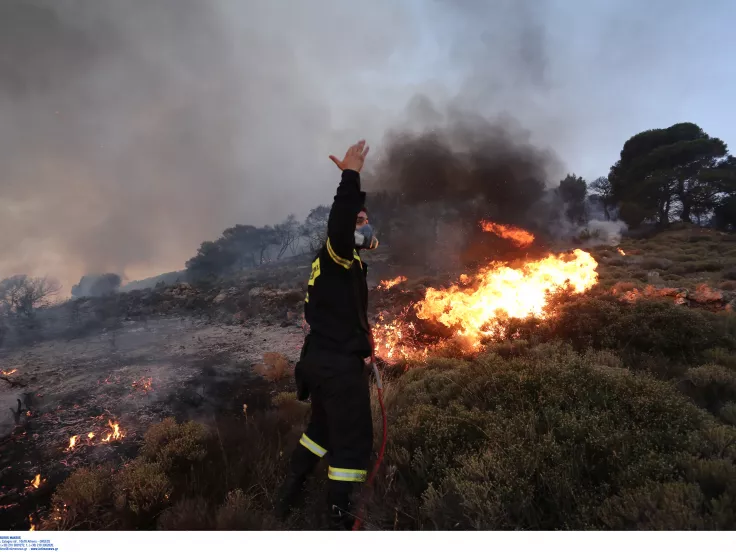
(554, 439)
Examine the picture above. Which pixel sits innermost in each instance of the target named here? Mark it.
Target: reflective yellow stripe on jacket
(343, 474)
(345, 263)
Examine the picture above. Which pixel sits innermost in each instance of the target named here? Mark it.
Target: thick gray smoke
(132, 130)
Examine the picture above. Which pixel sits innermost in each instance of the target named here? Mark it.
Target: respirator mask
(365, 237)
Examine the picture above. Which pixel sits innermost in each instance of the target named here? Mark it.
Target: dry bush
(697, 266)
(240, 512)
(655, 263)
(189, 514)
(82, 501)
(290, 409)
(275, 367)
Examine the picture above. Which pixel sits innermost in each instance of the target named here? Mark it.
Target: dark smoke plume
(456, 171)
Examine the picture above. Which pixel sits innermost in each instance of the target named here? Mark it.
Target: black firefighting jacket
(336, 305)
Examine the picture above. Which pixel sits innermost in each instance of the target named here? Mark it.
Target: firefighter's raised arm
(346, 206)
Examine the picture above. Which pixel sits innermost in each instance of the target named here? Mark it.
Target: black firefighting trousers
(341, 426)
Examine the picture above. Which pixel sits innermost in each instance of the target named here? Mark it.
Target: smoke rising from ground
(132, 131)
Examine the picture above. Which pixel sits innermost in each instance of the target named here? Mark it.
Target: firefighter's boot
(303, 463)
(341, 516)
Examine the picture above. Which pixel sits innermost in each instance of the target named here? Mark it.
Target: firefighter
(331, 370)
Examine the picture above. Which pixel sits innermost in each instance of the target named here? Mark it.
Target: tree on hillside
(96, 285)
(287, 234)
(603, 194)
(665, 172)
(22, 294)
(265, 238)
(572, 192)
(242, 243)
(724, 177)
(211, 260)
(314, 228)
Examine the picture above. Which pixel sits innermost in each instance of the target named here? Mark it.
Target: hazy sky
(132, 130)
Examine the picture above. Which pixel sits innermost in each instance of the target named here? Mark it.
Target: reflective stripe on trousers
(312, 446)
(344, 474)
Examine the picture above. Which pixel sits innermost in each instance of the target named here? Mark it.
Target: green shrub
(175, 446)
(710, 385)
(657, 328)
(728, 413)
(142, 488)
(697, 266)
(550, 439)
(655, 506)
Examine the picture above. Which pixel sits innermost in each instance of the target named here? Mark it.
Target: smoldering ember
(552, 351)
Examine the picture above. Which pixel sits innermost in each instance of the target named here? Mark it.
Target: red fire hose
(379, 460)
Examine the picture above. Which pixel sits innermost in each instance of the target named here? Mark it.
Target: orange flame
(520, 237)
(8, 372)
(116, 434)
(622, 252)
(503, 291)
(388, 284)
(475, 308)
(90, 435)
(33, 526)
(143, 384)
(72, 442)
(36, 481)
(395, 340)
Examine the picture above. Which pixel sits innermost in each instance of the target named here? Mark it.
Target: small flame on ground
(36, 481)
(622, 252)
(33, 526)
(116, 434)
(90, 435)
(72, 442)
(8, 372)
(388, 284)
(520, 237)
(143, 384)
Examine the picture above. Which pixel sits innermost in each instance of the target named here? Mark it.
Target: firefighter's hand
(354, 157)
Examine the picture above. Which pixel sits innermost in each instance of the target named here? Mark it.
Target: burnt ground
(136, 375)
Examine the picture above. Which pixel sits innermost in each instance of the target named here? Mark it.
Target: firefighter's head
(365, 238)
